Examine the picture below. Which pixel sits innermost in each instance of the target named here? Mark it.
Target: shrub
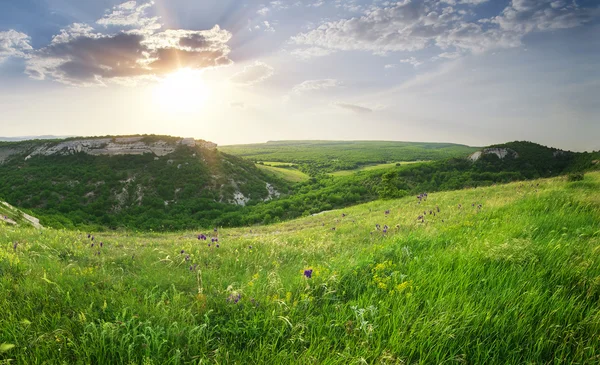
(576, 176)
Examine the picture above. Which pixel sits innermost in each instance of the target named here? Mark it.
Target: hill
(147, 182)
(315, 157)
(508, 274)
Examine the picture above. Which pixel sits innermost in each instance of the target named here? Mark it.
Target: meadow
(314, 157)
(284, 171)
(506, 274)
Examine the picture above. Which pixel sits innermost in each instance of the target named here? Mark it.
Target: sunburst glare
(184, 91)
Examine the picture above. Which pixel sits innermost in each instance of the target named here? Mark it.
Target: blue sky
(469, 71)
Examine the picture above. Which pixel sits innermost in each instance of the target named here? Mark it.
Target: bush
(576, 176)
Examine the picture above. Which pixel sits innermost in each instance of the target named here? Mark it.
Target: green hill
(507, 274)
(146, 182)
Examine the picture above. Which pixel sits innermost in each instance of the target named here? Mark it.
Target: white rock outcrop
(500, 152)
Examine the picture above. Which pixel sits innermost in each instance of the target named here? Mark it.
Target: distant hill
(142, 181)
(315, 157)
(28, 138)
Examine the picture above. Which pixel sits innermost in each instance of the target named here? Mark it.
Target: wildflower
(333, 229)
(92, 238)
(438, 209)
(92, 245)
(15, 245)
(250, 247)
(209, 245)
(385, 231)
(387, 212)
(89, 235)
(218, 245)
(308, 273)
(187, 258)
(182, 252)
(234, 298)
(215, 229)
(193, 267)
(101, 244)
(343, 215)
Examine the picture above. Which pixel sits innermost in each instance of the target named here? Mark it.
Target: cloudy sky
(239, 71)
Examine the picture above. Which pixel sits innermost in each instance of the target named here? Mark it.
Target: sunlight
(181, 92)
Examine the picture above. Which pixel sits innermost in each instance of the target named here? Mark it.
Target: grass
(375, 167)
(279, 164)
(286, 173)
(513, 281)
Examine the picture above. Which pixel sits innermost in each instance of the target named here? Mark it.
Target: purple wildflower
(101, 244)
(92, 245)
(250, 247)
(234, 298)
(182, 252)
(308, 273)
(218, 245)
(92, 238)
(89, 235)
(15, 245)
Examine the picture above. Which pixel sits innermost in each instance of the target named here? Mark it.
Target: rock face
(101, 146)
(500, 152)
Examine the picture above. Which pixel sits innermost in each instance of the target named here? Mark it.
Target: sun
(181, 92)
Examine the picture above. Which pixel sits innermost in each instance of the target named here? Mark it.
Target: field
(375, 167)
(329, 156)
(286, 173)
(508, 274)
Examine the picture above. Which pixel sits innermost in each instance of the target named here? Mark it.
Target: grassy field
(330, 156)
(289, 174)
(278, 164)
(375, 167)
(508, 274)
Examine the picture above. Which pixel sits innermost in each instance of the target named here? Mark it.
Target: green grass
(278, 164)
(329, 156)
(286, 173)
(516, 281)
(375, 167)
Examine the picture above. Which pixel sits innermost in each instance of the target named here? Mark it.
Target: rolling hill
(506, 274)
(151, 182)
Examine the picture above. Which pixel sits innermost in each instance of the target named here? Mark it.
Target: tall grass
(515, 280)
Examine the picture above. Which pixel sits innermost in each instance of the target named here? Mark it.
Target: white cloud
(80, 56)
(130, 14)
(311, 52)
(354, 108)
(413, 61)
(14, 44)
(253, 74)
(263, 11)
(524, 16)
(315, 85)
(416, 25)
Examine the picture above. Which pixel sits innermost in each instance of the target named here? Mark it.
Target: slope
(502, 274)
(146, 182)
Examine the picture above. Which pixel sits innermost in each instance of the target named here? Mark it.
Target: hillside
(315, 157)
(508, 274)
(167, 183)
(147, 182)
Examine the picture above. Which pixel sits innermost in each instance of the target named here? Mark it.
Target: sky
(475, 72)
